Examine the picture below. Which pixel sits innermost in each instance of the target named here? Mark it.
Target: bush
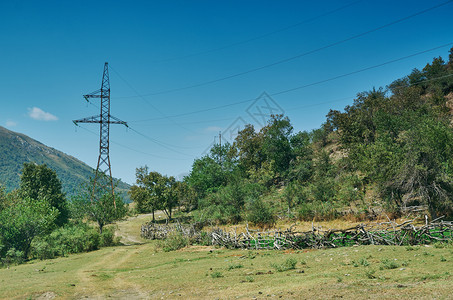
(108, 238)
(205, 239)
(174, 241)
(69, 239)
(13, 256)
(227, 203)
(289, 264)
(321, 211)
(259, 213)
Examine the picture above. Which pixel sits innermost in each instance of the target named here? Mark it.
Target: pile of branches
(155, 231)
(386, 233)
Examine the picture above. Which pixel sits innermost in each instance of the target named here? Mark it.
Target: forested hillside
(17, 149)
(389, 150)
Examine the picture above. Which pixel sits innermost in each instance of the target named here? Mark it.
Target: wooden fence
(386, 233)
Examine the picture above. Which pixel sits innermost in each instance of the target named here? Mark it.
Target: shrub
(68, 239)
(321, 211)
(259, 213)
(107, 238)
(174, 241)
(289, 264)
(205, 239)
(226, 204)
(13, 256)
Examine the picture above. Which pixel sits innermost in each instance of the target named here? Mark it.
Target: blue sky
(181, 71)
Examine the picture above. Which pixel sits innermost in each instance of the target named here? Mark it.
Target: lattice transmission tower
(104, 120)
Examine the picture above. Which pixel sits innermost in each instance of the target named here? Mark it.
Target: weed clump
(216, 274)
(370, 274)
(389, 264)
(289, 264)
(234, 266)
(364, 262)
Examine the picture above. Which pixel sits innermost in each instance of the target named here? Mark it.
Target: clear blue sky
(171, 59)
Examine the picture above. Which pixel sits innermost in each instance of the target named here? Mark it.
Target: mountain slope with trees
(17, 149)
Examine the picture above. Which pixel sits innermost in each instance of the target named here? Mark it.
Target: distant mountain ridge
(17, 148)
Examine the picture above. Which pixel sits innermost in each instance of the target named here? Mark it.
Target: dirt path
(98, 279)
(129, 229)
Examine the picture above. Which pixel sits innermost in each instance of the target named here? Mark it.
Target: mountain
(17, 148)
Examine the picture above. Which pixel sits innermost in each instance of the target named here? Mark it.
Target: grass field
(141, 271)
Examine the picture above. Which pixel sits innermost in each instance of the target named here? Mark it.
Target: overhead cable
(293, 57)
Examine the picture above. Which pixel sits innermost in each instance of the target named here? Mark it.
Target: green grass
(145, 271)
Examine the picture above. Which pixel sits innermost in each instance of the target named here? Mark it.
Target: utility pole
(104, 120)
(220, 148)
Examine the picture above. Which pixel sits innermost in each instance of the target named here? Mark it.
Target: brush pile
(386, 233)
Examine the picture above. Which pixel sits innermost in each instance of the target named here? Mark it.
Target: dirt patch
(196, 248)
(47, 295)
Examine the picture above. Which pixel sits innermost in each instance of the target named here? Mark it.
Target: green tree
(276, 144)
(260, 213)
(187, 196)
(168, 190)
(155, 191)
(301, 167)
(247, 147)
(425, 169)
(206, 176)
(99, 207)
(142, 194)
(3, 198)
(22, 222)
(323, 181)
(39, 182)
(356, 124)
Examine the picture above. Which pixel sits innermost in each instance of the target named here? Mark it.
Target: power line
(149, 103)
(163, 144)
(262, 35)
(302, 86)
(359, 71)
(293, 57)
(199, 111)
(132, 149)
(194, 122)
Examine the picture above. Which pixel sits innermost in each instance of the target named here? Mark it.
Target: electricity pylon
(104, 120)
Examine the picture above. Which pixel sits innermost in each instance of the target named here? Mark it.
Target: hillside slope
(17, 148)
